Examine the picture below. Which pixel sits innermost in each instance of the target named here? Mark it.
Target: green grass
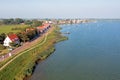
(23, 65)
(8, 28)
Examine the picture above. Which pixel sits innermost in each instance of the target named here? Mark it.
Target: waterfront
(91, 53)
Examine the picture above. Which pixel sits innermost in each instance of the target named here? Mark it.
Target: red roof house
(11, 38)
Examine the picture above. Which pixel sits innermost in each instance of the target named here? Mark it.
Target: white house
(11, 38)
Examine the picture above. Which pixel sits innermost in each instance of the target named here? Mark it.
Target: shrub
(2, 47)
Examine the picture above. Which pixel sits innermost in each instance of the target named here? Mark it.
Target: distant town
(67, 21)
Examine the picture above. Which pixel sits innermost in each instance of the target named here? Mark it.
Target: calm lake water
(91, 53)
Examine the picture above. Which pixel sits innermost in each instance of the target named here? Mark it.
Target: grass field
(23, 65)
(11, 28)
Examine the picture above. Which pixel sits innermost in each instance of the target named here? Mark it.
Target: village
(12, 40)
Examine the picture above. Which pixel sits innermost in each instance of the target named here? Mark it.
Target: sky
(59, 8)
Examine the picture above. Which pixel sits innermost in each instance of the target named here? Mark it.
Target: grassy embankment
(24, 65)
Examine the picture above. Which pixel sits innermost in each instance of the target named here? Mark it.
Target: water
(91, 53)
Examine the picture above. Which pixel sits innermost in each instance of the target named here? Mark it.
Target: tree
(12, 21)
(31, 34)
(6, 21)
(37, 23)
(2, 37)
(18, 20)
(23, 37)
(28, 22)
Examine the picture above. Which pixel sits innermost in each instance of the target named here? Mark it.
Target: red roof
(41, 27)
(13, 37)
(45, 24)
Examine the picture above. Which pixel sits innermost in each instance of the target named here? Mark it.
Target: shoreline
(22, 67)
(43, 58)
(34, 67)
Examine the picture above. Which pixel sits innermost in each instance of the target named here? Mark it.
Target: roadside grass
(4, 51)
(12, 28)
(24, 65)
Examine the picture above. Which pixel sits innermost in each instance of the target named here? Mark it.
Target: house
(11, 38)
(46, 25)
(43, 28)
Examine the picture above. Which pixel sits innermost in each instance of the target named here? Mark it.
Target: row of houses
(43, 28)
(14, 38)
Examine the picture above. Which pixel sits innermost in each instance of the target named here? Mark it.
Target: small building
(11, 38)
